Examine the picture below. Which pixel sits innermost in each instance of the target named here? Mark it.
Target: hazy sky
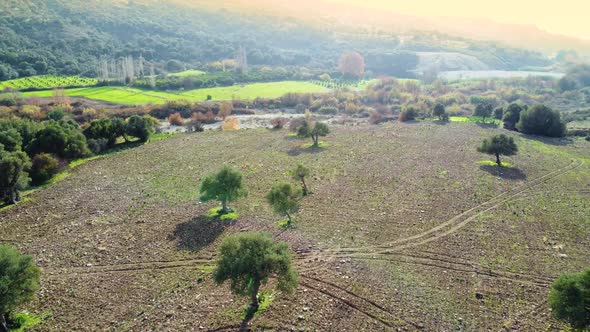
(571, 17)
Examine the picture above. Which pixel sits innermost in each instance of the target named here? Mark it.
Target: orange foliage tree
(352, 65)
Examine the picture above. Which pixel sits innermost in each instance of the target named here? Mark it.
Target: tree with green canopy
(313, 130)
(499, 145)
(249, 260)
(225, 186)
(19, 281)
(484, 110)
(569, 299)
(541, 120)
(299, 174)
(284, 200)
(14, 166)
(439, 111)
(511, 116)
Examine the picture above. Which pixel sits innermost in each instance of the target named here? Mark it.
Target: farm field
(405, 229)
(47, 82)
(131, 96)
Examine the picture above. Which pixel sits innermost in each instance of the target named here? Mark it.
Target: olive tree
(313, 130)
(284, 200)
(439, 111)
(499, 145)
(225, 186)
(511, 116)
(484, 110)
(13, 174)
(299, 174)
(19, 281)
(249, 260)
(570, 299)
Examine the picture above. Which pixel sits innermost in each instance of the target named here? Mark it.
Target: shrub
(408, 114)
(11, 139)
(248, 260)
(328, 110)
(19, 281)
(225, 110)
(98, 145)
(569, 299)
(44, 167)
(56, 114)
(541, 120)
(139, 127)
(176, 119)
(230, 124)
(279, 122)
(225, 186)
(61, 138)
(300, 108)
(295, 123)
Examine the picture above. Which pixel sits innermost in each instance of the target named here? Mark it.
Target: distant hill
(71, 37)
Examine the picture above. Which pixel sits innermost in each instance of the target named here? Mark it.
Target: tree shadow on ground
(197, 233)
(486, 125)
(504, 172)
(557, 141)
(441, 122)
(300, 150)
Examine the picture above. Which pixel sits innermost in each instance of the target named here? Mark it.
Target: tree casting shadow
(504, 172)
(197, 233)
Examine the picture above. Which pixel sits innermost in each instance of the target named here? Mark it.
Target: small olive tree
(249, 260)
(19, 281)
(284, 200)
(313, 130)
(225, 186)
(499, 145)
(569, 299)
(299, 174)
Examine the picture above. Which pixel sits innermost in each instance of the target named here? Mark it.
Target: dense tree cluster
(37, 40)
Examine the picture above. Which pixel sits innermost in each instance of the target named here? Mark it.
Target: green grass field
(47, 82)
(131, 96)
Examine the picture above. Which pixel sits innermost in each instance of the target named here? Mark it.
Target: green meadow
(132, 96)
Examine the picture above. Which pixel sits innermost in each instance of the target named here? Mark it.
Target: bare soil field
(405, 231)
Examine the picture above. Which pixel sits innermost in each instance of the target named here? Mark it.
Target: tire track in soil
(324, 256)
(457, 222)
(359, 303)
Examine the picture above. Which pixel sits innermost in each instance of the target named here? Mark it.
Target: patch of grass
(25, 321)
(215, 213)
(284, 224)
(493, 163)
(320, 145)
(474, 119)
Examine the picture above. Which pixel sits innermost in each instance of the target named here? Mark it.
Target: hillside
(72, 37)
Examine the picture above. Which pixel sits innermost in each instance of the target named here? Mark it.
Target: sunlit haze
(568, 17)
